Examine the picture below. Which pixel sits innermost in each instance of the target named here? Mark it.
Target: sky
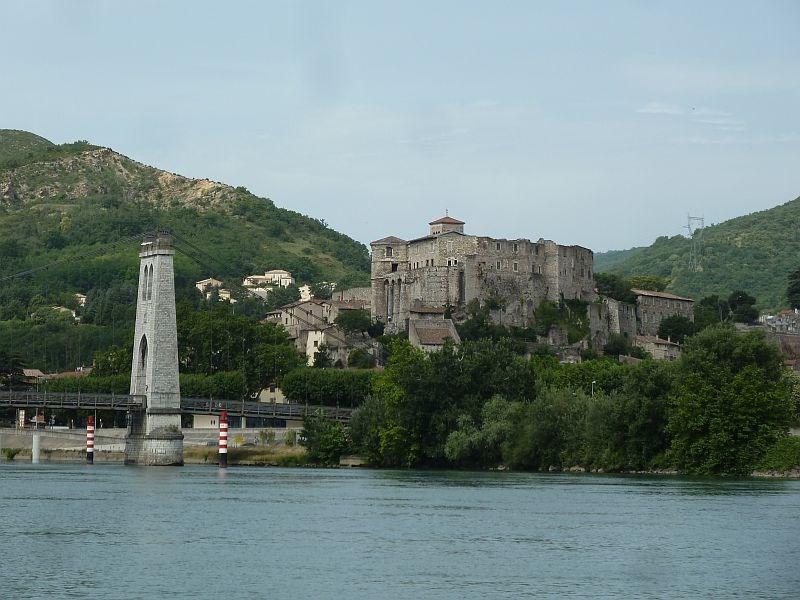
(595, 123)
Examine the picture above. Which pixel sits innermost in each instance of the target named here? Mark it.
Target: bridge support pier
(154, 432)
(154, 439)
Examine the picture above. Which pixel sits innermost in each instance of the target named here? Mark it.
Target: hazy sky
(596, 123)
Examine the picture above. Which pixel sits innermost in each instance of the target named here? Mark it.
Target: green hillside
(606, 261)
(17, 146)
(753, 253)
(62, 205)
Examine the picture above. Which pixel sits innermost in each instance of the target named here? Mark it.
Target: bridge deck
(192, 406)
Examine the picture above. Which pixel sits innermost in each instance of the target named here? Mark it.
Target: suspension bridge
(155, 406)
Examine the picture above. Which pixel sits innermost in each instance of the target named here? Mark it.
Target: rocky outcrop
(102, 171)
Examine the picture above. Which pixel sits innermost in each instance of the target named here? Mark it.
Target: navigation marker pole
(90, 440)
(223, 439)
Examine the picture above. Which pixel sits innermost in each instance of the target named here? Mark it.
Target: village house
(658, 348)
(652, 307)
(207, 287)
(262, 285)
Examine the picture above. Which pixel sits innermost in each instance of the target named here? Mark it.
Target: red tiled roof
(434, 336)
(446, 221)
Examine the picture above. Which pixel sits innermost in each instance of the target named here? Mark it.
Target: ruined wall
(607, 317)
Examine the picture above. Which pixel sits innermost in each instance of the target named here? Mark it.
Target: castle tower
(154, 432)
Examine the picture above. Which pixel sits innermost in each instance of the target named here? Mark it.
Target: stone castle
(450, 268)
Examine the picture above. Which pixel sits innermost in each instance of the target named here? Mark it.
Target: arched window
(150, 284)
(143, 279)
(143, 354)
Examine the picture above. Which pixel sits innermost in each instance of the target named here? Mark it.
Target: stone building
(652, 307)
(449, 267)
(658, 348)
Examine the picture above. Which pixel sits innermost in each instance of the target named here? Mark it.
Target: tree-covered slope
(61, 201)
(61, 206)
(753, 253)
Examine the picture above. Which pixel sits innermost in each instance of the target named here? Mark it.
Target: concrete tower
(154, 432)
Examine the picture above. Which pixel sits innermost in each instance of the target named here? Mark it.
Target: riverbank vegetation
(720, 409)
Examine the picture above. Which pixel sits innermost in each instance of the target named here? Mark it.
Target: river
(108, 531)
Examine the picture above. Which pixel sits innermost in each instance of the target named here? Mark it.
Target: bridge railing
(237, 408)
(71, 400)
(196, 406)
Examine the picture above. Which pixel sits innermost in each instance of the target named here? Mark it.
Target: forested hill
(65, 203)
(58, 201)
(754, 253)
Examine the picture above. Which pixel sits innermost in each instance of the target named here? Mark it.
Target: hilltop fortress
(448, 268)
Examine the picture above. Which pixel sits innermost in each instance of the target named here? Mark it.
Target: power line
(82, 256)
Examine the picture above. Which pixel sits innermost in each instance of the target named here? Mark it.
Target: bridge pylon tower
(154, 431)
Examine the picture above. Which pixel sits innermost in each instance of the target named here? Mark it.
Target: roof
(448, 220)
(389, 240)
(652, 339)
(660, 295)
(32, 373)
(297, 303)
(434, 336)
(277, 272)
(437, 236)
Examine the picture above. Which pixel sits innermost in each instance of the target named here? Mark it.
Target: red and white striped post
(223, 439)
(90, 440)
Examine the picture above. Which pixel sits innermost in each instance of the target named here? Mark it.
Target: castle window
(498, 265)
(450, 247)
(388, 251)
(516, 247)
(394, 267)
(536, 249)
(516, 266)
(448, 264)
(497, 246)
(455, 261)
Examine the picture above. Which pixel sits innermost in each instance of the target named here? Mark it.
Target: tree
(322, 290)
(322, 357)
(793, 289)
(10, 368)
(114, 361)
(710, 311)
(617, 344)
(615, 287)
(648, 282)
(324, 440)
(281, 296)
(353, 321)
(676, 328)
(743, 307)
(731, 401)
(360, 359)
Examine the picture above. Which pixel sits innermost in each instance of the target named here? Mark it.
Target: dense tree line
(716, 410)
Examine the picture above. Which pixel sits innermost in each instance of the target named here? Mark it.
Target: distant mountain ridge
(754, 253)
